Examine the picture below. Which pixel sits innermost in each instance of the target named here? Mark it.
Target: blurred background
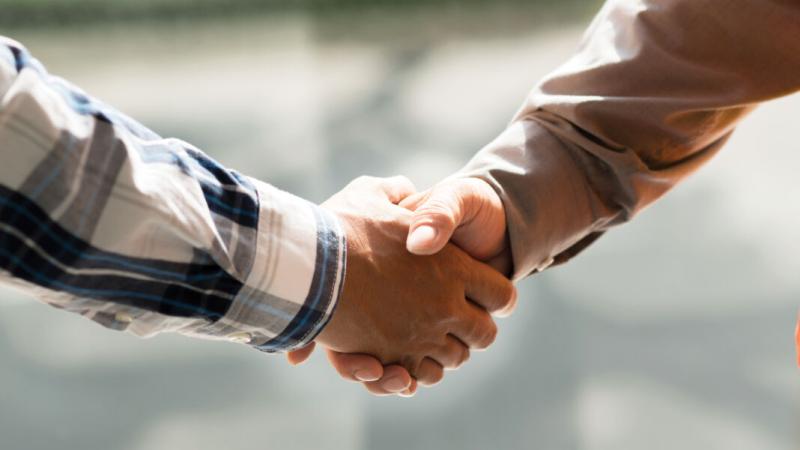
(672, 332)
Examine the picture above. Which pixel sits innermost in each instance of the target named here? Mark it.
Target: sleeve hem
(296, 279)
(547, 202)
(332, 287)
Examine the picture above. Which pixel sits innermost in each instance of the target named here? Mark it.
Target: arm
(102, 217)
(654, 91)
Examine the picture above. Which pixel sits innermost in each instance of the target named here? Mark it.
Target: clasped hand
(405, 317)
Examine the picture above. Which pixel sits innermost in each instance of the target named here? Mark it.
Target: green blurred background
(21, 13)
(672, 332)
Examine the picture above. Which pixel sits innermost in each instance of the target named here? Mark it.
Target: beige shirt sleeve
(654, 91)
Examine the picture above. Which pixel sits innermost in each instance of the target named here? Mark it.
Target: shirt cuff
(548, 203)
(296, 278)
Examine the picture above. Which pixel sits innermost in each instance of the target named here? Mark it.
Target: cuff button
(241, 338)
(123, 317)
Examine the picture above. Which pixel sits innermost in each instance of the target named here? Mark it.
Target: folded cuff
(297, 275)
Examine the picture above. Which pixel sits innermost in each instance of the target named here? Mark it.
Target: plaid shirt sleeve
(102, 217)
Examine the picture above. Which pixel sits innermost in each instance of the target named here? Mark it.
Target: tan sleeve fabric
(655, 89)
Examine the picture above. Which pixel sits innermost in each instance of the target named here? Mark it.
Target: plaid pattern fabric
(102, 217)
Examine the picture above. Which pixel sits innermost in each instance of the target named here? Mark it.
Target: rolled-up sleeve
(654, 91)
(103, 217)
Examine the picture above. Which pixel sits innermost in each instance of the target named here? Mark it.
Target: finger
(429, 372)
(396, 188)
(355, 366)
(435, 219)
(489, 289)
(502, 263)
(509, 309)
(475, 327)
(411, 391)
(395, 380)
(413, 201)
(452, 354)
(300, 355)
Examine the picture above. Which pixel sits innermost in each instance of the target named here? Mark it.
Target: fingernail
(421, 238)
(411, 391)
(364, 375)
(395, 384)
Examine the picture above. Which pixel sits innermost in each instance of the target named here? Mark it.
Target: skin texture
(465, 211)
(417, 313)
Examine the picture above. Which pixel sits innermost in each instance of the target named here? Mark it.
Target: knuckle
(436, 204)
(498, 293)
(436, 211)
(402, 180)
(412, 364)
(364, 180)
(433, 374)
(505, 296)
(344, 371)
(464, 265)
(510, 305)
(491, 335)
(376, 390)
(489, 302)
(453, 357)
(464, 357)
(486, 335)
(509, 290)
(452, 307)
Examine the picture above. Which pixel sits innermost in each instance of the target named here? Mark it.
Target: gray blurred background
(673, 332)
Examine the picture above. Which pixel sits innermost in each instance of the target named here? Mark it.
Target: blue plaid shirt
(102, 217)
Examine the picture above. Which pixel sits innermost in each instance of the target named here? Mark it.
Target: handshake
(425, 274)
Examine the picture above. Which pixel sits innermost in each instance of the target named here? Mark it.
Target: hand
(466, 210)
(403, 308)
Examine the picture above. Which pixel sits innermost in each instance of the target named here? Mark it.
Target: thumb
(435, 220)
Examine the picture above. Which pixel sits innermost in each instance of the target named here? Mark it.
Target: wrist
(326, 335)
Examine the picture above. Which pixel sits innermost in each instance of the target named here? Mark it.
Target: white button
(242, 338)
(123, 317)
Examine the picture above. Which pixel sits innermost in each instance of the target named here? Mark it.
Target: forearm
(654, 92)
(102, 217)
